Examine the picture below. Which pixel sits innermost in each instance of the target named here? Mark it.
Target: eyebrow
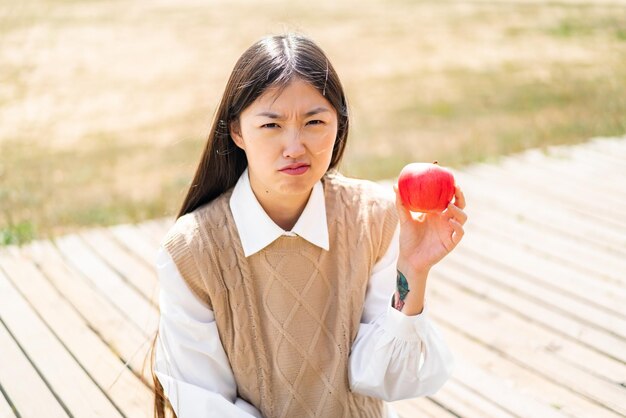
(315, 111)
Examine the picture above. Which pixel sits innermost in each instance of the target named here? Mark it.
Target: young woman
(287, 289)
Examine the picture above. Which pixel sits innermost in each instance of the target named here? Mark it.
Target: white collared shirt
(394, 356)
(256, 228)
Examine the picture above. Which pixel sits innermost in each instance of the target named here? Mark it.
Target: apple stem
(435, 162)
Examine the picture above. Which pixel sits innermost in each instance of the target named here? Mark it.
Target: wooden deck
(532, 302)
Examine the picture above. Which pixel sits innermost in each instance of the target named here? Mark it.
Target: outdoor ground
(105, 105)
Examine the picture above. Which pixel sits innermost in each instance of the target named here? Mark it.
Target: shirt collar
(257, 230)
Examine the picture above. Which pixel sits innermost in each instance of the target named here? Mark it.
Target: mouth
(295, 169)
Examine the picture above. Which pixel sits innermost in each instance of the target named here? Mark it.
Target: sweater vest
(287, 315)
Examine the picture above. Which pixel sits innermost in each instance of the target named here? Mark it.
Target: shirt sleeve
(190, 361)
(396, 356)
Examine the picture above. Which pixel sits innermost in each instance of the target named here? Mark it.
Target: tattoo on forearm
(402, 290)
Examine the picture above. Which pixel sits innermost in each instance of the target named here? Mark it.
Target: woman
(288, 290)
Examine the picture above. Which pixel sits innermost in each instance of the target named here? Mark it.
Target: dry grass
(104, 106)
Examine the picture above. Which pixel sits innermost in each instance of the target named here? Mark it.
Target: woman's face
(297, 128)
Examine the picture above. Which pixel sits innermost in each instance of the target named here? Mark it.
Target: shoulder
(365, 206)
(355, 192)
(209, 215)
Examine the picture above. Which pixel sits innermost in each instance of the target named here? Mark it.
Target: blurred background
(105, 105)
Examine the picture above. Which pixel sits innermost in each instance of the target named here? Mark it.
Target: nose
(294, 147)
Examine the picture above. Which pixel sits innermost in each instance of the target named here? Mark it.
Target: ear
(235, 134)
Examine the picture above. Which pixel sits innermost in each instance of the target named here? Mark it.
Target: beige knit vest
(287, 315)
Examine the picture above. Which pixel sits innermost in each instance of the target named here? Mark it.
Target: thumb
(403, 213)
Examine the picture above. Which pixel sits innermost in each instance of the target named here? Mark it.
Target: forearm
(411, 289)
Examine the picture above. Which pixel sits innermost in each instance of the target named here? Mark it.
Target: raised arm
(396, 356)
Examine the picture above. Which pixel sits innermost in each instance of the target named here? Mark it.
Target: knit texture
(288, 314)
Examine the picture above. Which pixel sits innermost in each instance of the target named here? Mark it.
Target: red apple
(426, 187)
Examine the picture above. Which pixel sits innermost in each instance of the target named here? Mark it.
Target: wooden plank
(608, 146)
(586, 258)
(55, 364)
(453, 400)
(127, 391)
(594, 179)
(499, 393)
(130, 268)
(467, 403)
(163, 225)
(484, 196)
(107, 281)
(610, 159)
(516, 167)
(531, 346)
(577, 163)
(156, 228)
(420, 407)
(121, 335)
(134, 240)
(518, 388)
(29, 394)
(556, 284)
(466, 274)
(6, 410)
(603, 161)
(549, 195)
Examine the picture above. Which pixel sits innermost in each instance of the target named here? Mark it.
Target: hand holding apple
(427, 237)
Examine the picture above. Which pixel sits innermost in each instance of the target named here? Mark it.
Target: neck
(284, 212)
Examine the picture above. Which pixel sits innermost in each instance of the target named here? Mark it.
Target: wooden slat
(578, 254)
(531, 346)
(498, 391)
(580, 164)
(567, 187)
(133, 270)
(128, 392)
(467, 403)
(558, 283)
(157, 228)
(50, 357)
(612, 164)
(483, 195)
(509, 293)
(421, 407)
(549, 195)
(608, 146)
(107, 281)
(518, 388)
(28, 392)
(605, 161)
(163, 225)
(464, 274)
(6, 410)
(135, 241)
(581, 191)
(123, 336)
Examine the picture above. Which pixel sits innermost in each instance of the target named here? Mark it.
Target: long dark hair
(272, 61)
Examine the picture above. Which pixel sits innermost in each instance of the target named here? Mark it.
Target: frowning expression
(288, 137)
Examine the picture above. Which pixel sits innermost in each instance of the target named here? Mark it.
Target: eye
(270, 125)
(315, 122)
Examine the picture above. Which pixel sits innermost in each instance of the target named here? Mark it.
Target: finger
(458, 232)
(403, 213)
(456, 213)
(459, 197)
